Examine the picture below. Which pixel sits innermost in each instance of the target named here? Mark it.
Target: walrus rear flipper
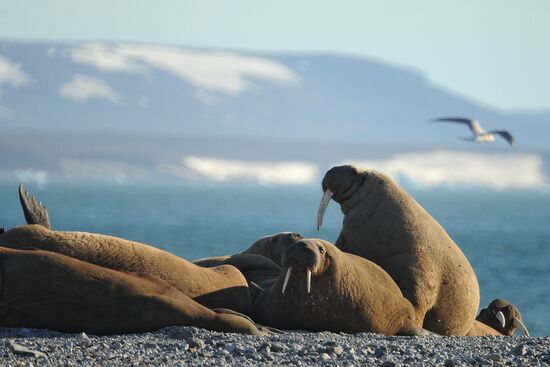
(35, 212)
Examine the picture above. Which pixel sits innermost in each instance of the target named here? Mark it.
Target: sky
(495, 52)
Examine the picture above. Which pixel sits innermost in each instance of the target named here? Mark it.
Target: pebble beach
(180, 346)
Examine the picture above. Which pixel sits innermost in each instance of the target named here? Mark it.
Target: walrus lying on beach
(384, 224)
(325, 289)
(503, 317)
(43, 289)
(261, 262)
(217, 287)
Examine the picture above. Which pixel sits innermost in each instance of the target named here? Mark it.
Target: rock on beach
(175, 346)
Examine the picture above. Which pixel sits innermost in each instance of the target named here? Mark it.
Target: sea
(504, 234)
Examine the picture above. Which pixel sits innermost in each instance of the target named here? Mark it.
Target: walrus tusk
(500, 317)
(323, 206)
(308, 281)
(521, 326)
(288, 271)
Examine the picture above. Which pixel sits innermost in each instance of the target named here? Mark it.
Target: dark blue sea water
(505, 235)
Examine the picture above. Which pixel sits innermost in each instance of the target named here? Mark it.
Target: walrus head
(306, 258)
(339, 184)
(274, 246)
(502, 316)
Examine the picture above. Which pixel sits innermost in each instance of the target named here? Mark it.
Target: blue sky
(495, 52)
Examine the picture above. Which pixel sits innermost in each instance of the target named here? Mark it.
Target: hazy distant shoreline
(192, 346)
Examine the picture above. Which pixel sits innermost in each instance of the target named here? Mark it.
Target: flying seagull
(480, 135)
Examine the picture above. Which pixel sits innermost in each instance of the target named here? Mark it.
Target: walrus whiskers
(500, 317)
(323, 207)
(308, 281)
(288, 271)
(521, 326)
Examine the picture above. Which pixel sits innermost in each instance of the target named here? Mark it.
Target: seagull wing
(506, 135)
(471, 123)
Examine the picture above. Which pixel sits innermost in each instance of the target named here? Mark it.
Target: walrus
(43, 289)
(325, 289)
(217, 287)
(504, 317)
(260, 263)
(384, 224)
(272, 247)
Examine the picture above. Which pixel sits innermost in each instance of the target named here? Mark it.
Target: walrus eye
(321, 250)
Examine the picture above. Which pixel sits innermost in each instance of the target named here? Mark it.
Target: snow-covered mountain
(174, 90)
(136, 110)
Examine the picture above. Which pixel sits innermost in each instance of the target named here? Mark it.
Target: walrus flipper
(35, 212)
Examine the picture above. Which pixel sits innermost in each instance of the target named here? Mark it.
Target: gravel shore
(175, 346)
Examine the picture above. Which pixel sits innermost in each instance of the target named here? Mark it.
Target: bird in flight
(480, 135)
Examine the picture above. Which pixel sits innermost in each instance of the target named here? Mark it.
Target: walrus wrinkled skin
(346, 293)
(42, 289)
(502, 316)
(218, 287)
(384, 224)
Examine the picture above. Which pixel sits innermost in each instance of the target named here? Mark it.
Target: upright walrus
(334, 291)
(43, 289)
(217, 287)
(384, 224)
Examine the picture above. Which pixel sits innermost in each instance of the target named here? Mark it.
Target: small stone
(325, 357)
(85, 338)
(183, 346)
(116, 345)
(250, 350)
(24, 351)
(277, 347)
(521, 350)
(379, 352)
(389, 364)
(494, 357)
(69, 344)
(180, 333)
(196, 343)
(238, 351)
(449, 363)
(336, 350)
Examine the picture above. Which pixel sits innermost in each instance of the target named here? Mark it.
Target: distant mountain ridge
(138, 88)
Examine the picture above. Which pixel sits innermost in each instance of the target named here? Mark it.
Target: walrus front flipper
(35, 212)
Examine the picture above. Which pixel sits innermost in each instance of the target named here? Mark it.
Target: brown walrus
(503, 316)
(259, 263)
(325, 289)
(43, 289)
(271, 247)
(384, 224)
(218, 287)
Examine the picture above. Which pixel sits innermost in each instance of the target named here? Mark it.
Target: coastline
(192, 346)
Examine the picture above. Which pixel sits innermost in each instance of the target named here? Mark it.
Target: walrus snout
(339, 183)
(303, 257)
